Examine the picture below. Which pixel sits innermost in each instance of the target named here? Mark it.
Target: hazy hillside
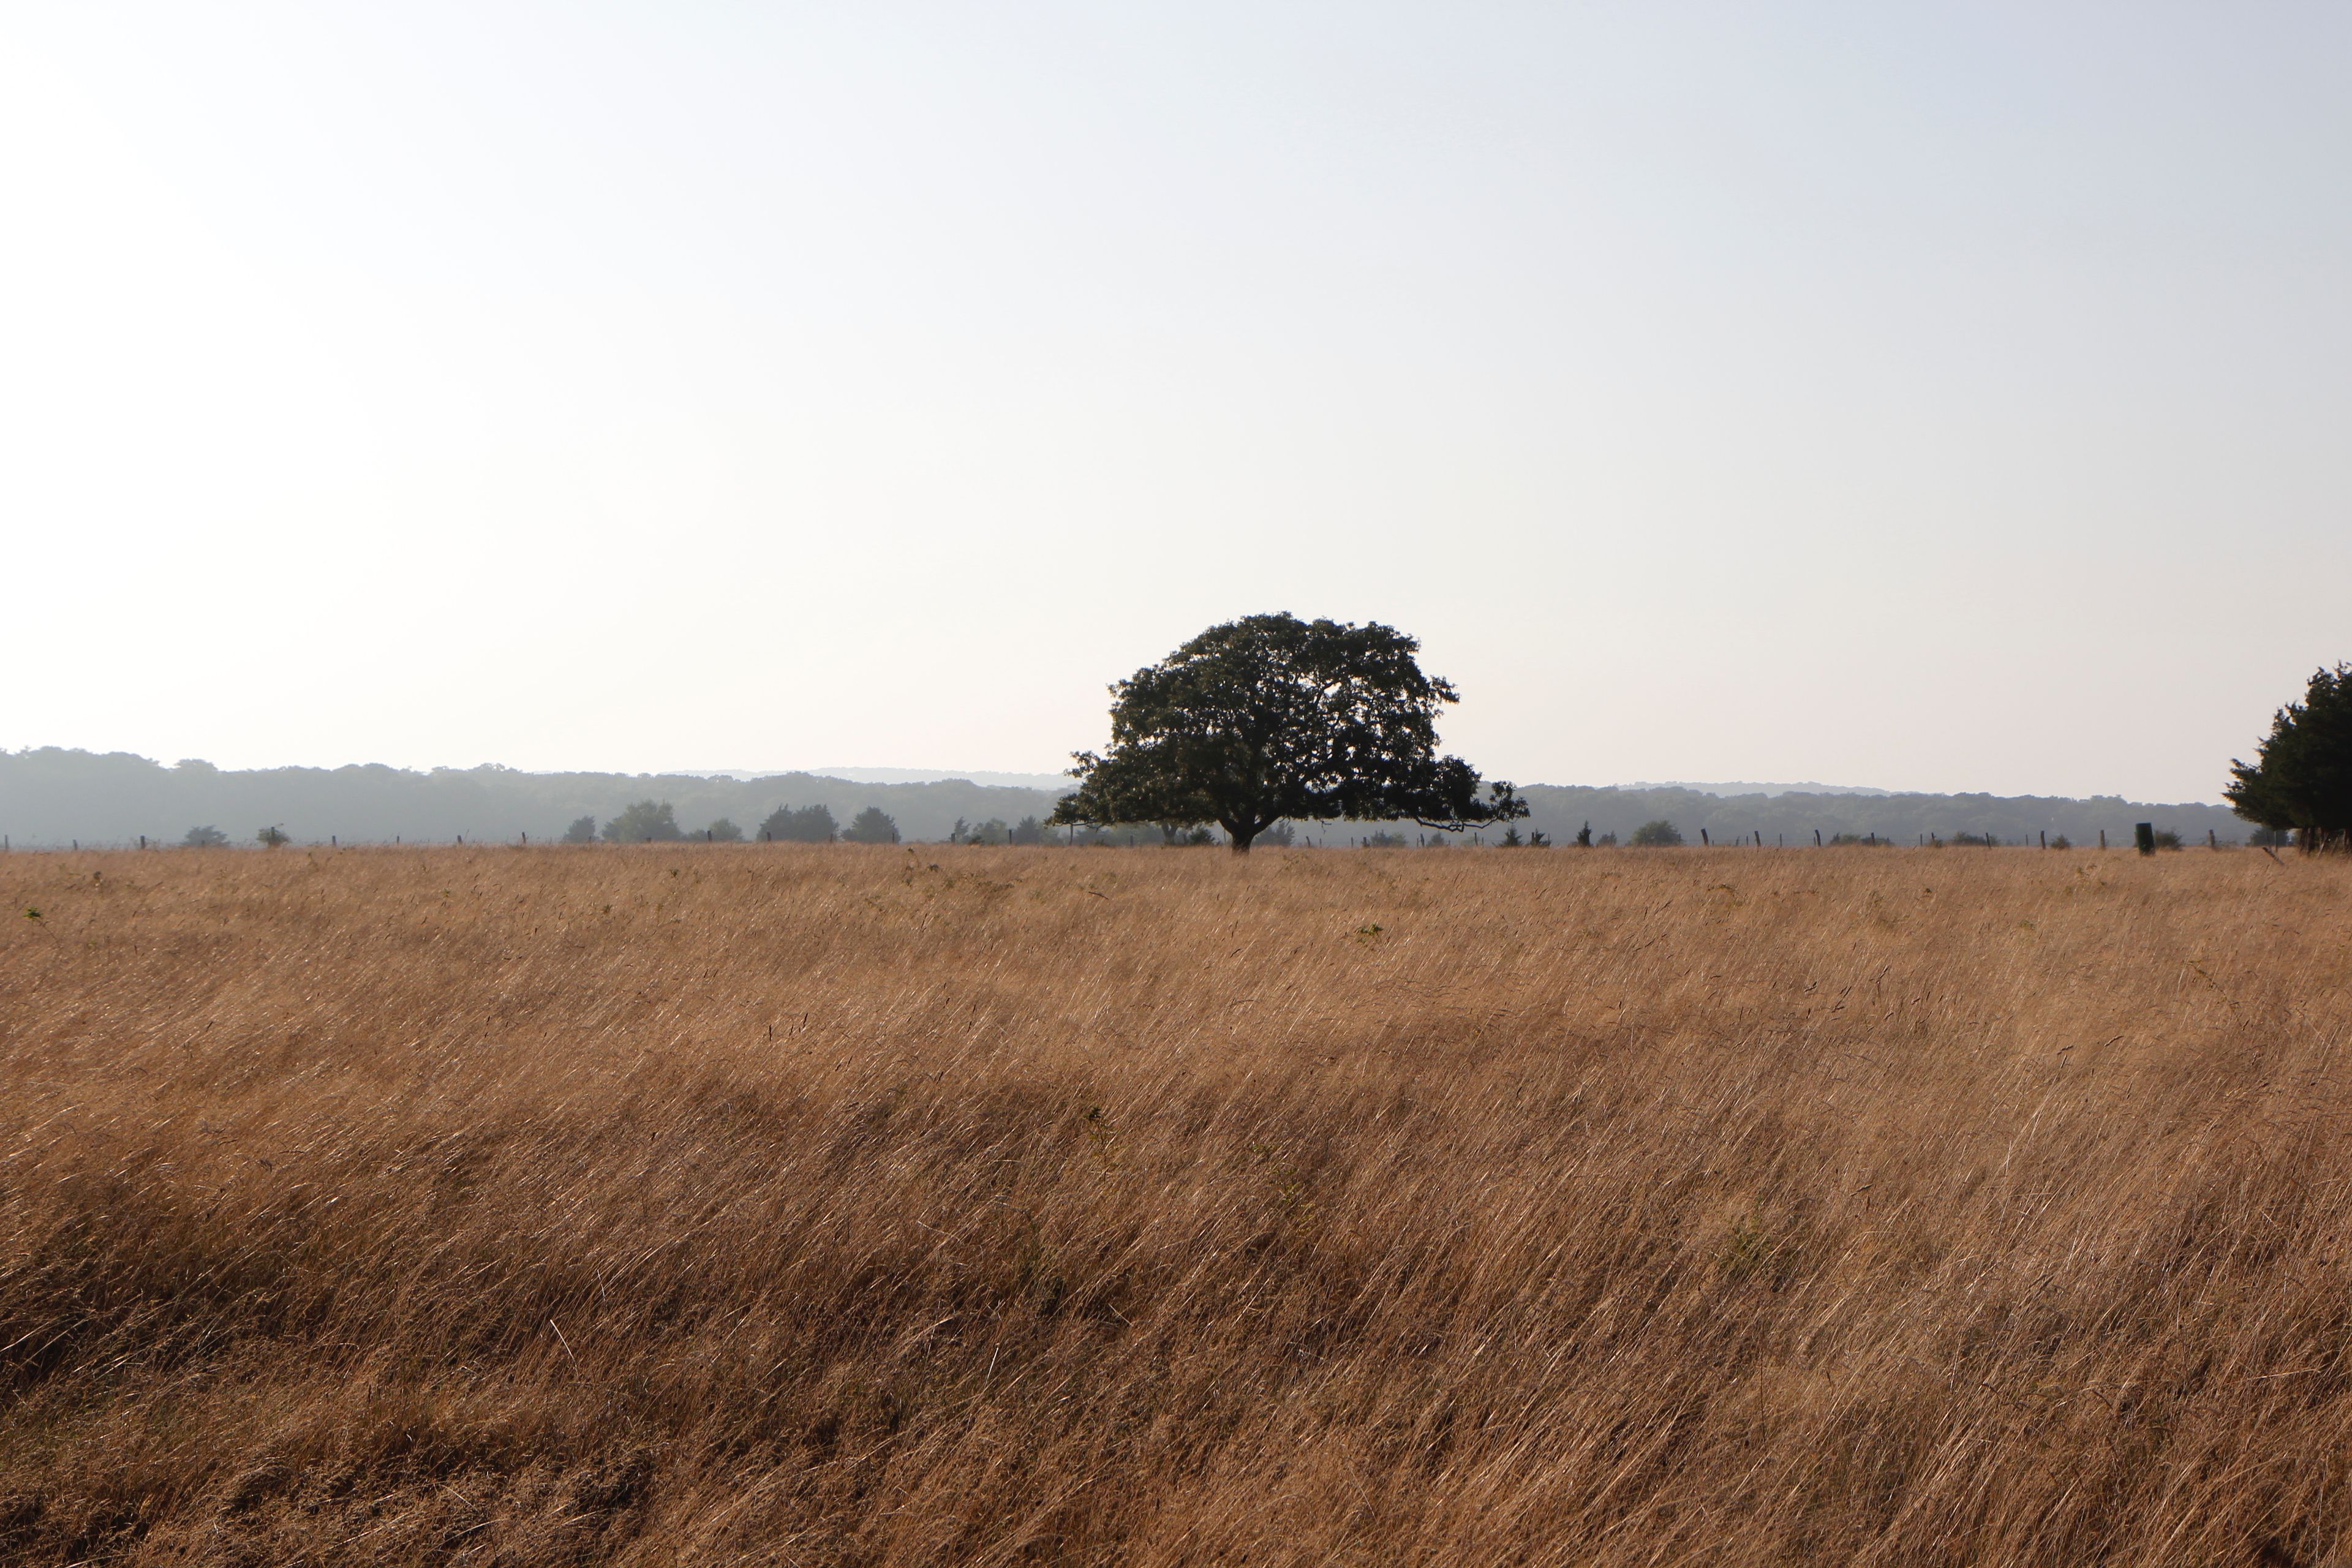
(1793, 817)
(52, 797)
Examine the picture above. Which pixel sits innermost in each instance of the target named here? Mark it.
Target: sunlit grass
(832, 1205)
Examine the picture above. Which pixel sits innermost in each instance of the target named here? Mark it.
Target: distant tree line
(656, 822)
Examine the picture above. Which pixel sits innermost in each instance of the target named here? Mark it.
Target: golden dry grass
(810, 1205)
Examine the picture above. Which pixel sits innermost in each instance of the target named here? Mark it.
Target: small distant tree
(2270, 837)
(2301, 778)
(270, 837)
(1658, 833)
(1028, 830)
(647, 822)
(582, 831)
(1537, 839)
(2062, 842)
(206, 837)
(808, 825)
(1511, 839)
(872, 826)
(723, 832)
(1584, 837)
(1282, 835)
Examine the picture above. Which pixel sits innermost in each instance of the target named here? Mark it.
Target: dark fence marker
(2146, 834)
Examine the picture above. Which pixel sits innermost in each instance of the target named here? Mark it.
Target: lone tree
(1271, 717)
(2303, 775)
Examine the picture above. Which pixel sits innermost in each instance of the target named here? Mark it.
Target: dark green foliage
(1511, 839)
(205, 838)
(723, 832)
(644, 823)
(1657, 835)
(872, 826)
(1028, 830)
(271, 837)
(1584, 837)
(1271, 717)
(2302, 777)
(582, 831)
(808, 824)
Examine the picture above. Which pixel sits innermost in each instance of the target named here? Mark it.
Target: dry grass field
(803, 1206)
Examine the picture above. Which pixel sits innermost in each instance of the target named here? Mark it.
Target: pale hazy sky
(1932, 397)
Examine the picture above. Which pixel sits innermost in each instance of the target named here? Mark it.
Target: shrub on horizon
(872, 826)
(1658, 833)
(647, 822)
(808, 824)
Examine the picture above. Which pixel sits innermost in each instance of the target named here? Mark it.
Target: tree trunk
(1240, 836)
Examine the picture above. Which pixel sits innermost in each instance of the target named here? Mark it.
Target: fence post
(2045, 838)
(2145, 833)
(1703, 839)
(2102, 838)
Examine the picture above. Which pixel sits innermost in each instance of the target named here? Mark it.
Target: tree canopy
(1271, 718)
(2302, 775)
